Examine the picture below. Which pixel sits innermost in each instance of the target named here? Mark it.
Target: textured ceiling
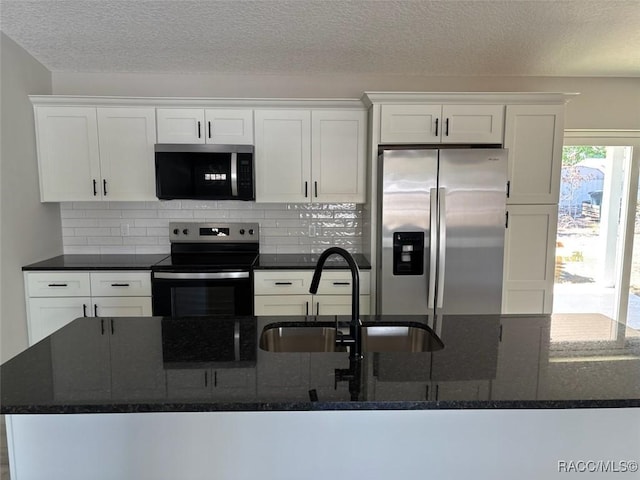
(447, 37)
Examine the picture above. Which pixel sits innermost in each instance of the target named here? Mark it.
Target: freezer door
(408, 186)
(472, 215)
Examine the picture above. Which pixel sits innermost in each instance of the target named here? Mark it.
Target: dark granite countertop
(145, 262)
(155, 364)
(294, 261)
(97, 262)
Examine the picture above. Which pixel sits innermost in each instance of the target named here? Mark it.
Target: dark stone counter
(155, 364)
(97, 262)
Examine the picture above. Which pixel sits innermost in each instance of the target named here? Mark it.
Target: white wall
(604, 102)
(31, 230)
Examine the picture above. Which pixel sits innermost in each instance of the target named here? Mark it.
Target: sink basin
(322, 336)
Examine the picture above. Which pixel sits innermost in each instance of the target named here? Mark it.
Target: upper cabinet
(89, 153)
(534, 136)
(426, 123)
(213, 125)
(310, 155)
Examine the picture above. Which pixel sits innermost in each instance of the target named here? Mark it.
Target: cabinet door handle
(437, 121)
(341, 283)
(317, 308)
(120, 285)
(57, 285)
(284, 283)
(209, 123)
(508, 188)
(84, 309)
(446, 127)
(95, 188)
(95, 309)
(437, 391)
(102, 326)
(306, 188)
(506, 220)
(215, 378)
(199, 135)
(104, 187)
(307, 308)
(315, 188)
(113, 330)
(206, 378)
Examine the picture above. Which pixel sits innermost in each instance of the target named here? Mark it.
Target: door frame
(622, 138)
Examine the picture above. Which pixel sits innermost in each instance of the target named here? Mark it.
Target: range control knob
(176, 231)
(185, 231)
(242, 231)
(251, 231)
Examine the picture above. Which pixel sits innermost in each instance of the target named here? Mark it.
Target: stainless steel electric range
(209, 271)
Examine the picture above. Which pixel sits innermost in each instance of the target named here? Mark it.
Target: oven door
(182, 294)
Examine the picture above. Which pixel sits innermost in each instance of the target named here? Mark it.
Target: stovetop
(211, 246)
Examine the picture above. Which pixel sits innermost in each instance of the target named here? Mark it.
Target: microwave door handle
(234, 174)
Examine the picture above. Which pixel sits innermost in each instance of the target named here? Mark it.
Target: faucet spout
(355, 326)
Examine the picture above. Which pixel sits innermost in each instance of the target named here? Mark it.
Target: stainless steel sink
(323, 337)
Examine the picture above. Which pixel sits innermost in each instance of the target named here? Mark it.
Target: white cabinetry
(427, 123)
(529, 259)
(534, 136)
(54, 299)
(89, 153)
(310, 155)
(286, 292)
(197, 125)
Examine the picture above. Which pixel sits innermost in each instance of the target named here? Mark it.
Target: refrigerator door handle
(442, 234)
(433, 240)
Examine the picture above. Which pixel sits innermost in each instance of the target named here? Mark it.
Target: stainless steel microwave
(204, 172)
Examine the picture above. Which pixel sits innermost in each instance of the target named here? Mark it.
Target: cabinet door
(472, 123)
(68, 158)
(534, 136)
(410, 123)
(189, 383)
(180, 125)
(282, 282)
(234, 383)
(282, 305)
(283, 155)
(127, 138)
(529, 261)
(46, 315)
(231, 127)
(338, 155)
(121, 306)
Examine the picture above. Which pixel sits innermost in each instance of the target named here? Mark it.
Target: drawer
(282, 282)
(297, 282)
(121, 284)
(339, 283)
(58, 284)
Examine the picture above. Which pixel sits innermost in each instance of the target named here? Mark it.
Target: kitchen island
(154, 397)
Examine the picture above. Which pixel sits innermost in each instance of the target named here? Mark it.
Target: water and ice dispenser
(408, 253)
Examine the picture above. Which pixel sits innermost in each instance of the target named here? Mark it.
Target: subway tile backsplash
(143, 227)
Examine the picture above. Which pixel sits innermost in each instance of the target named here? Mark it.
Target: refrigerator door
(408, 189)
(472, 215)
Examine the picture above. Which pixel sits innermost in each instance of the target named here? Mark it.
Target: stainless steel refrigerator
(441, 230)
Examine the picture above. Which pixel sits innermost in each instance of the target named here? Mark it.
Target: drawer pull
(58, 285)
(120, 285)
(284, 283)
(341, 283)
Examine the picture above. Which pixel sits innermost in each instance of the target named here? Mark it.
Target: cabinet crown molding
(195, 102)
(509, 98)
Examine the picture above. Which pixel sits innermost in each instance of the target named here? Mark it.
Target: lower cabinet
(529, 266)
(286, 292)
(56, 298)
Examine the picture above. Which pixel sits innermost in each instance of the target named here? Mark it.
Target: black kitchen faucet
(355, 337)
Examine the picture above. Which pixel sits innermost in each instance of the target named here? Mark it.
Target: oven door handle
(200, 275)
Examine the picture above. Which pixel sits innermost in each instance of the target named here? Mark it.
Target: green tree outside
(575, 154)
